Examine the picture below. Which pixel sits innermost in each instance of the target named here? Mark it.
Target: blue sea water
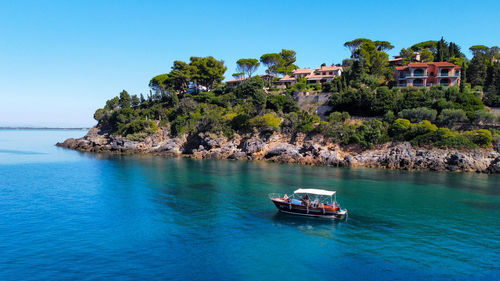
(67, 215)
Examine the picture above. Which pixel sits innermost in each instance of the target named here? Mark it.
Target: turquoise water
(70, 215)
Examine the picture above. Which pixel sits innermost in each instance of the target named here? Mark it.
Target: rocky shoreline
(299, 149)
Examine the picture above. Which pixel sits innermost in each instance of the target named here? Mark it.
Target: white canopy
(315, 191)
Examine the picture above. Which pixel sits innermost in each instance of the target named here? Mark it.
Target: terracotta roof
(318, 76)
(438, 64)
(239, 79)
(302, 71)
(419, 64)
(401, 67)
(443, 63)
(328, 68)
(287, 78)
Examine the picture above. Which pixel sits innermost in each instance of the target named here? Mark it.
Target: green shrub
(266, 121)
(400, 128)
(338, 117)
(418, 114)
(449, 138)
(240, 122)
(138, 126)
(451, 117)
(371, 132)
(480, 137)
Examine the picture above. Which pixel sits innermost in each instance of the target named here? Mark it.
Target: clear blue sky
(61, 60)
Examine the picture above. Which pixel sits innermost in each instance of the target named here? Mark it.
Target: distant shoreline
(44, 128)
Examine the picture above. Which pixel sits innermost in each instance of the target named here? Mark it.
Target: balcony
(448, 75)
(417, 76)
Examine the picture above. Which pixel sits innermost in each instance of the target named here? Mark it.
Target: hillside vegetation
(423, 116)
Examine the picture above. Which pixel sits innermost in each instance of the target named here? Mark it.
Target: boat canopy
(315, 191)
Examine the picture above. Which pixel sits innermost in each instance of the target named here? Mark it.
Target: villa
(426, 74)
(322, 74)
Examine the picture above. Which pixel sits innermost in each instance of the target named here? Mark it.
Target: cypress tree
(463, 77)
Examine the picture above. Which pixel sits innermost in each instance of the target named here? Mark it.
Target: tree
(479, 49)
(157, 83)
(135, 101)
(477, 69)
(454, 51)
(238, 75)
(372, 60)
(442, 51)
(271, 61)
(431, 45)
(492, 85)
(463, 77)
(288, 57)
(124, 99)
(383, 46)
(247, 66)
(208, 71)
(179, 78)
(354, 45)
(408, 55)
(426, 55)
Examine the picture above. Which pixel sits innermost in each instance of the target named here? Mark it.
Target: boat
(309, 202)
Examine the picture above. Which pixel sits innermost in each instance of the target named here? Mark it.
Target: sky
(61, 60)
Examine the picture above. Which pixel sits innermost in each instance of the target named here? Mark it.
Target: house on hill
(426, 74)
(323, 74)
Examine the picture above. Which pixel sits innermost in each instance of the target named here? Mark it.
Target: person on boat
(286, 198)
(306, 200)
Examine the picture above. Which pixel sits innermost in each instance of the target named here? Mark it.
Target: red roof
(437, 64)
(401, 67)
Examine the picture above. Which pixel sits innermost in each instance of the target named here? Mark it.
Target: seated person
(306, 200)
(315, 203)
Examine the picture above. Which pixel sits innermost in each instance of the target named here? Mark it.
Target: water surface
(70, 215)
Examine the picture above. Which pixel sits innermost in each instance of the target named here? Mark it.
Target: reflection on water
(10, 151)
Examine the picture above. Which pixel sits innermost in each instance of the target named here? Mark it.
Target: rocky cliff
(300, 149)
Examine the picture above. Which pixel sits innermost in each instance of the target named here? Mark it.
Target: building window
(418, 72)
(401, 74)
(418, 82)
(444, 72)
(457, 72)
(444, 82)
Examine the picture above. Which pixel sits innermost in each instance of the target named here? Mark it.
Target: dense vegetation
(364, 89)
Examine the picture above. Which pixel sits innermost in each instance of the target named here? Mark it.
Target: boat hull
(294, 209)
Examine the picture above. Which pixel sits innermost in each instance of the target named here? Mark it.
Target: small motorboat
(309, 202)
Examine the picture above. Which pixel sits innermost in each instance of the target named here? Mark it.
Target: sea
(68, 215)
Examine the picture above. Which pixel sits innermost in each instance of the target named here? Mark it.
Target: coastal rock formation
(300, 149)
